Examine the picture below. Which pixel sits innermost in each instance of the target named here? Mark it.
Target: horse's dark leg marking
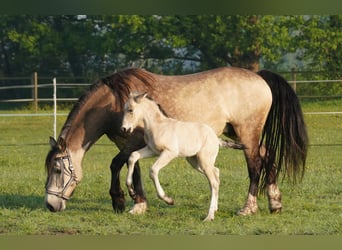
(139, 196)
(254, 170)
(117, 194)
(250, 138)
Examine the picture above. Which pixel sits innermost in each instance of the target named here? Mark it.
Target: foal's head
(133, 112)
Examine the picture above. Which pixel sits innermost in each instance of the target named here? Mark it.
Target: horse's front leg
(117, 194)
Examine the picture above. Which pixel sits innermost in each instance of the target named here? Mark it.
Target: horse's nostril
(50, 207)
(123, 129)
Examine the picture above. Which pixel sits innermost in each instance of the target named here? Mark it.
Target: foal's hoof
(169, 200)
(208, 219)
(138, 208)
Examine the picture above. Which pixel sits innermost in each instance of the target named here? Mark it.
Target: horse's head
(61, 178)
(132, 117)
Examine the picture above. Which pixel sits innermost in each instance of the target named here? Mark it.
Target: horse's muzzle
(54, 203)
(127, 130)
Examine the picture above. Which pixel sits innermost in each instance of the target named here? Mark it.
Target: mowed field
(313, 207)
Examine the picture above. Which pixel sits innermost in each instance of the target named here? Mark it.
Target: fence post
(54, 108)
(293, 76)
(35, 90)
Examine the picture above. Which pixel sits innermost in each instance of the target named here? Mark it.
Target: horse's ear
(53, 142)
(61, 144)
(140, 97)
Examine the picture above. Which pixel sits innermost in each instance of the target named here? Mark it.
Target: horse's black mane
(121, 84)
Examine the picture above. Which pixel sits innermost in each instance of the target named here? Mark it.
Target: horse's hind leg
(250, 138)
(274, 198)
(273, 192)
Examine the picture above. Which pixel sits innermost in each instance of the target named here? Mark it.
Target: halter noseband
(70, 171)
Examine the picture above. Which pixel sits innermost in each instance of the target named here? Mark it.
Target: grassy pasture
(313, 207)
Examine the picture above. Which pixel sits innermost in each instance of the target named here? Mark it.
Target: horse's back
(215, 97)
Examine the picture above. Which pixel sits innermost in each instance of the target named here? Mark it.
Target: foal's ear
(138, 98)
(53, 142)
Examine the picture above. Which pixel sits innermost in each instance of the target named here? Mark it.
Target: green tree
(231, 40)
(208, 41)
(51, 45)
(96, 45)
(319, 41)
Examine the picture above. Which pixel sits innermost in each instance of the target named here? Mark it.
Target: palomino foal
(170, 138)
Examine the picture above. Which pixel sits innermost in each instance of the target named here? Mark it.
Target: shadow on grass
(13, 201)
(33, 202)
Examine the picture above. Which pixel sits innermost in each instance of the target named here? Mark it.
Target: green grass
(313, 207)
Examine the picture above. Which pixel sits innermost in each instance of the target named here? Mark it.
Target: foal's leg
(164, 158)
(213, 175)
(117, 194)
(273, 192)
(206, 163)
(133, 143)
(194, 163)
(132, 160)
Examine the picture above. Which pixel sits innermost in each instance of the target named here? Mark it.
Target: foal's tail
(231, 144)
(284, 135)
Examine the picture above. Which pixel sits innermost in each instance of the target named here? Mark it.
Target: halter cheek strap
(72, 182)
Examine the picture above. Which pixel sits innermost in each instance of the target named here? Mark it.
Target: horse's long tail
(284, 136)
(231, 144)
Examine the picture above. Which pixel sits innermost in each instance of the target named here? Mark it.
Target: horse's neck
(86, 127)
(153, 117)
(75, 149)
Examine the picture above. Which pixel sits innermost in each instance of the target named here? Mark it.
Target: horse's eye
(130, 111)
(57, 169)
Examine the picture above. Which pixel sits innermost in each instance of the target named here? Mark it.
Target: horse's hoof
(118, 205)
(247, 211)
(138, 208)
(275, 210)
(275, 206)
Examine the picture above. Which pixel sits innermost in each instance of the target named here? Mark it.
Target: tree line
(95, 45)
